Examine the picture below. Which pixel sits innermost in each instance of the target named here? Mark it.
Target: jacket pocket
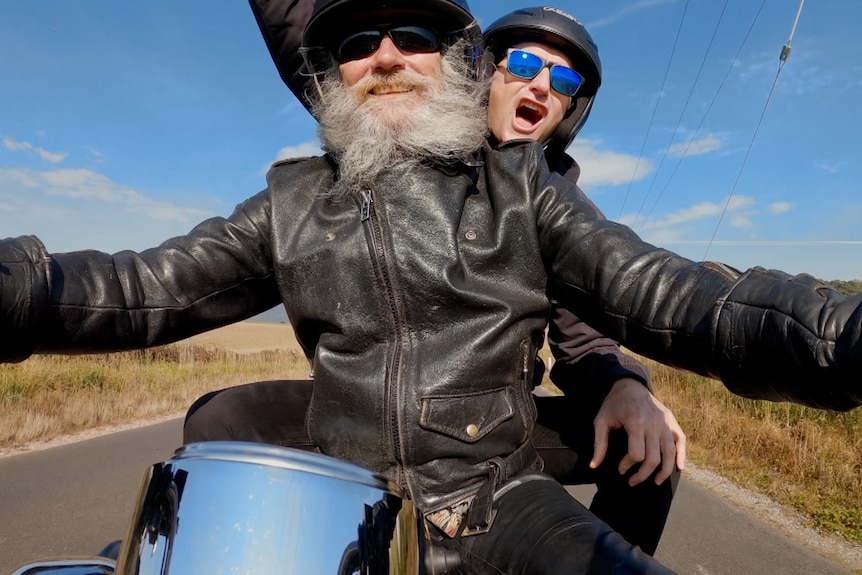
(467, 417)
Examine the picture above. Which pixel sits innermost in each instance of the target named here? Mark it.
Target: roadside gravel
(783, 518)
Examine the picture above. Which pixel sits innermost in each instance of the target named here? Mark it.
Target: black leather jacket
(423, 301)
(587, 362)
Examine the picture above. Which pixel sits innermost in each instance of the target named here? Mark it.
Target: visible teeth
(380, 90)
(533, 108)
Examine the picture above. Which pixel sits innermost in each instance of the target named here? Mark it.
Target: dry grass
(49, 396)
(807, 458)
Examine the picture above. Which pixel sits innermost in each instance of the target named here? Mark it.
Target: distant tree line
(851, 287)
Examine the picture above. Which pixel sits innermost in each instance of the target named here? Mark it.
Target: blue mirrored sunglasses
(408, 39)
(526, 65)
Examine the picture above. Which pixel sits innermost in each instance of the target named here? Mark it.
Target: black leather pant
(540, 529)
(273, 412)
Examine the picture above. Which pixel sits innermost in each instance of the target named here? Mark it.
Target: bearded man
(418, 290)
(634, 467)
(377, 114)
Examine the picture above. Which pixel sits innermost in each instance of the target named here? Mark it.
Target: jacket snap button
(472, 430)
(471, 235)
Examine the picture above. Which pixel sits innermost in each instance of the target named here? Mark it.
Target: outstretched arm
(765, 334)
(281, 23)
(92, 302)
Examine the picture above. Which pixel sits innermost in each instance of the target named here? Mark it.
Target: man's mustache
(394, 82)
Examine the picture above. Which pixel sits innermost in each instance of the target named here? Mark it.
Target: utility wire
(706, 113)
(785, 53)
(654, 110)
(679, 121)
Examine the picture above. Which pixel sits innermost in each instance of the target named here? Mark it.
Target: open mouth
(529, 113)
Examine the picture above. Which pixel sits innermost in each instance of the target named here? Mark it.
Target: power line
(706, 113)
(679, 121)
(655, 109)
(785, 53)
(765, 242)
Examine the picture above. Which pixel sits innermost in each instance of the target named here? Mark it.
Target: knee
(592, 548)
(205, 419)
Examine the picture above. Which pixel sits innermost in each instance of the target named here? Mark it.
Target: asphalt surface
(76, 498)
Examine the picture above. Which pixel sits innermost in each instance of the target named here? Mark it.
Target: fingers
(644, 448)
(673, 444)
(656, 442)
(600, 443)
(680, 439)
(669, 450)
(655, 439)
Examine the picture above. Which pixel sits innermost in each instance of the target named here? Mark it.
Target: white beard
(447, 123)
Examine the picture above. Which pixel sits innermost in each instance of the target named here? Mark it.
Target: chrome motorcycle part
(80, 566)
(235, 507)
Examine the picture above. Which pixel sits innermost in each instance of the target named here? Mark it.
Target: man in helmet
(413, 260)
(529, 105)
(546, 78)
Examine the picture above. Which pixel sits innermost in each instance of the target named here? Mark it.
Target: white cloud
(86, 186)
(780, 207)
(697, 147)
(739, 220)
(51, 157)
(81, 209)
(738, 205)
(81, 183)
(755, 68)
(301, 151)
(830, 168)
(21, 177)
(627, 10)
(602, 167)
(677, 226)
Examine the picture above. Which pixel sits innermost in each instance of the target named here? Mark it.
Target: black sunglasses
(408, 39)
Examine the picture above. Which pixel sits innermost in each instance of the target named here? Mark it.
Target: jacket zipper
(368, 216)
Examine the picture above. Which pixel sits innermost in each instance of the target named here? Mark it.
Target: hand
(654, 436)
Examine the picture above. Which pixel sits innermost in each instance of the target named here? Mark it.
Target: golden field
(48, 396)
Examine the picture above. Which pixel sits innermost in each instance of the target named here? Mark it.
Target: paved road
(75, 498)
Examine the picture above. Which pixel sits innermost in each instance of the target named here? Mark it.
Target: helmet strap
(569, 127)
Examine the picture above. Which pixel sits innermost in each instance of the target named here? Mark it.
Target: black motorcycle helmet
(562, 31)
(332, 19)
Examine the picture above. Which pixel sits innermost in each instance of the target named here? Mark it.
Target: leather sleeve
(790, 338)
(765, 334)
(85, 302)
(281, 24)
(24, 296)
(587, 362)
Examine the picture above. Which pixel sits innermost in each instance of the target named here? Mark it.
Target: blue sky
(124, 123)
